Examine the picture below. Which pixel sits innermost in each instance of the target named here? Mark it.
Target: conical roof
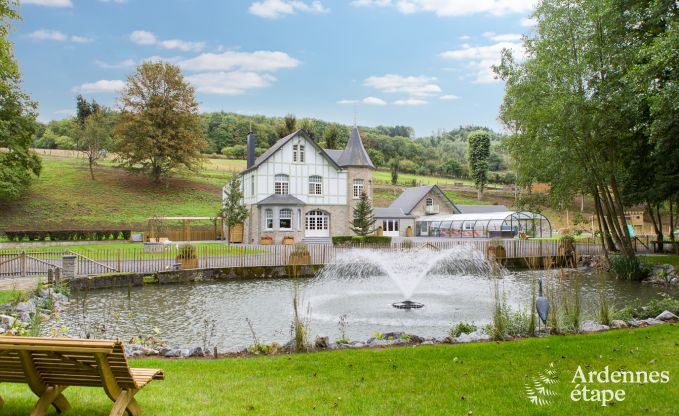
(354, 154)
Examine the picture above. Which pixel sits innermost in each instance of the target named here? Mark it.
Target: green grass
(406, 179)
(669, 259)
(7, 296)
(65, 196)
(477, 379)
(462, 200)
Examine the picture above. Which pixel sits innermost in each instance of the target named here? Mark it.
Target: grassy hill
(64, 196)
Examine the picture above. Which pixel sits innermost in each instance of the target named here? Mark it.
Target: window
(298, 153)
(268, 225)
(281, 185)
(390, 225)
(285, 219)
(315, 185)
(317, 220)
(358, 188)
(429, 202)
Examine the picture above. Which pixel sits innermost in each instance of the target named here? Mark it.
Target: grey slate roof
(354, 154)
(410, 197)
(334, 154)
(481, 209)
(280, 200)
(390, 213)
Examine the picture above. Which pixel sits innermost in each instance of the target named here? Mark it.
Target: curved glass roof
(491, 224)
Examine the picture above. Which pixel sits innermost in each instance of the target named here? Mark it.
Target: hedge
(357, 240)
(68, 235)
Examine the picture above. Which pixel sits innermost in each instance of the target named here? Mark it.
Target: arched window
(269, 219)
(285, 219)
(315, 185)
(281, 184)
(429, 202)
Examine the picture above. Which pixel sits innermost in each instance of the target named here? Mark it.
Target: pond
(177, 312)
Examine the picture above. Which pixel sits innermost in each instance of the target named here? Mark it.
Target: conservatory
(508, 224)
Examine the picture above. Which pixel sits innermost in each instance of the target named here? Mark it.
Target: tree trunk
(91, 160)
(671, 221)
(479, 194)
(657, 225)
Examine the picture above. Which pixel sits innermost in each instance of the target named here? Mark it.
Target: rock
(589, 327)
(7, 321)
(149, 351)
(172, 353)
(59, 297)
(653, 321)
(44, 293)
(478, 335)
(184, 352)
(427, 343)
(322, 342)
(196, 352)
(392, 335)
(356, 345)
(28, 306)
(667, 316)
(380, 342)
(619, 324)
(137, 353)
(25, 318)
(634, 323)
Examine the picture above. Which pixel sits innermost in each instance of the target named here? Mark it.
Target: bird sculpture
(542, 304)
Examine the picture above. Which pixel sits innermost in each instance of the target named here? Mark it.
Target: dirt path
(18, 283)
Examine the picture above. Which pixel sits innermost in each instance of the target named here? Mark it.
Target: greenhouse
(508, 224)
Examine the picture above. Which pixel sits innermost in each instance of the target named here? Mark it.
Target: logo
(538, 391)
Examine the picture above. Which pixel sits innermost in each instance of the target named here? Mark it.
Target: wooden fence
(135, 260)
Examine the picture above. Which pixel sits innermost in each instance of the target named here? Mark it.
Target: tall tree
(363, 216)
(159, 127)
(94, 139)
(395, 165)
(18, 164)
(331, 135)
(477, 156)
(287, 126)
(84, 109)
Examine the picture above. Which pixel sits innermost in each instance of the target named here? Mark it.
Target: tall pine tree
(363, 217)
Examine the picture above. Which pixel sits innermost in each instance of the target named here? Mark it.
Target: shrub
(628, 268)
(356, 240)
(462, 328)
(652, 309)
(187, 251)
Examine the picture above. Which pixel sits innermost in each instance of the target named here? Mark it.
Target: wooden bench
(49, 365)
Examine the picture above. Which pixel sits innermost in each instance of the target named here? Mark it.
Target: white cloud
(55, 35)
(449, 97)
(49, 3)
(366, 101)
(125, 63)
(230, 83)
(527, 22)
(103, 85)
(142, 37)
(464, 37)
(259, 61)
(413, 85)
(113, 1)
(373, 101)
(410, 101)
(480, 59)
(444, 8)
(507, 37)
(273, 9)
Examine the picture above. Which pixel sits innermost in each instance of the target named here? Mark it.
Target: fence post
(22, 263)
(68, 264)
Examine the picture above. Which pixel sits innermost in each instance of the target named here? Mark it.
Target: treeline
(443, 153)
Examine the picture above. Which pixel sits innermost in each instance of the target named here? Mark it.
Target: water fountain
(407, 267)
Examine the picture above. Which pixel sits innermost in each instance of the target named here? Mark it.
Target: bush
(357, 240)
(652, 309)
(68, 235)
(628, 268)
(462, 328)
(187, 251)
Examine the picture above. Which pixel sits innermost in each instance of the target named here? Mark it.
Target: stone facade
(444, 205)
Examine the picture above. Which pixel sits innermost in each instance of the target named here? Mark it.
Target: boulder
(149, 351)
(7, 321)
(427, 343)
(322, 343)
(184, 352)
(619, 324)
(392, 335)
(478, 335)
(416, 339)
(59, 297)
(28, 306)
(196, 352)
(653, 321)
(589, 327)
(667, 316)
(635, 323)
(172, 352)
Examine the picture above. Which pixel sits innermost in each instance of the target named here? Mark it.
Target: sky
(420, 63)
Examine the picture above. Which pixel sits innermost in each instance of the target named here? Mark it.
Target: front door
(317, 224)
(390, 228)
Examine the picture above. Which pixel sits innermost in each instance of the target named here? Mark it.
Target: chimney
(252, 144)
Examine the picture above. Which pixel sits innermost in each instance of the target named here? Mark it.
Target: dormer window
(315, 185)
(429, 202)
(281, 184)
(298, 153)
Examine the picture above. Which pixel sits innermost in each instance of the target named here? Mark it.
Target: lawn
(64, 196)
(468, 379)
(7, 296)
(406, 179)
(666, 259)
(463, 200)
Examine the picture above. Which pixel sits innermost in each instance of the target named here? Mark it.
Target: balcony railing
(431, 209)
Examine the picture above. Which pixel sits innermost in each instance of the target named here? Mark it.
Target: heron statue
(542, 304)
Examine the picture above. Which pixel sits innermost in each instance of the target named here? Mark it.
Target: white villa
(298, 189)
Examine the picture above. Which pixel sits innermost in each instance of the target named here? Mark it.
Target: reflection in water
(178, 311)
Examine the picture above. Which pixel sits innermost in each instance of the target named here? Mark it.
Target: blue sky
(421, 63)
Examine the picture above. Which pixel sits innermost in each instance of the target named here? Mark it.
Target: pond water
(177, 312)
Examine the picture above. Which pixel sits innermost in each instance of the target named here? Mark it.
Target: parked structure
(297, 189)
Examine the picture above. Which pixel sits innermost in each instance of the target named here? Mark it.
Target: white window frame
(358, 188)
(281, 184)
(268, 219)
(284, 214)
(315, 185)
(429, 202)
(301, 153)
(294, 153)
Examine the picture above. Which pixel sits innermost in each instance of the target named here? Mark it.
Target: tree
(331, 135)
(287, 126)
(84, 109)
(18, 164)
(453, 168)
(394, 164)
(159, 127)
(94, 138)
(363, 216)
(477, 156)
(234, 212)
